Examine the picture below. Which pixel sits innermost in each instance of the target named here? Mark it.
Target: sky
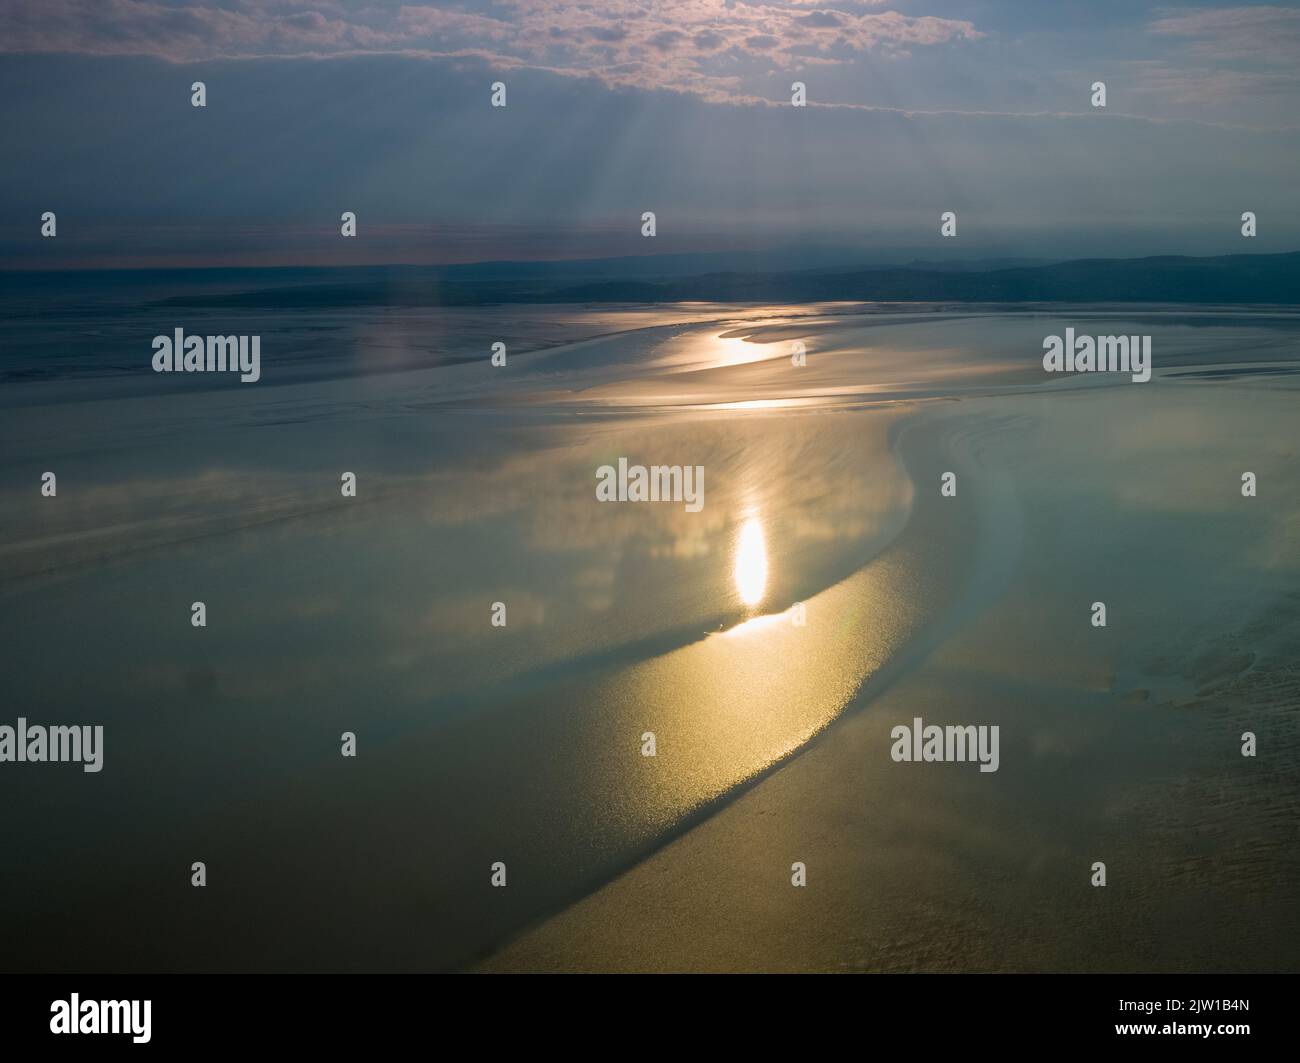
(617, 107)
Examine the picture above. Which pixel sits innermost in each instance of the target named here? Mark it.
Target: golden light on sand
(751, 562)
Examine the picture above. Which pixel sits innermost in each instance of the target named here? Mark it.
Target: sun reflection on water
(750, 572)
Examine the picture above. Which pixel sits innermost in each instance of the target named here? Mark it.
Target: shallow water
(1119, 744)
(523, 743)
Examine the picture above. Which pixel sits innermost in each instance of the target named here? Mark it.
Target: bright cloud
(700, 46)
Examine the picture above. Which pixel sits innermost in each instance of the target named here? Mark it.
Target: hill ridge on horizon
(1239, 278)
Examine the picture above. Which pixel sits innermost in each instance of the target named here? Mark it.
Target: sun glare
(751, 562)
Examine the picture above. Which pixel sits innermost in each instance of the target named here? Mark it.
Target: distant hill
(1245, 279)
(1174, 279)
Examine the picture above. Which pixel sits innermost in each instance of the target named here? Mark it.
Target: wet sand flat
(1120, 745)
(523, 744)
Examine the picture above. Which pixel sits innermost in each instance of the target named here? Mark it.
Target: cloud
(1228, 57)
(698, 46)
(820, 20)
(1258, 34)
(1201, 88)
